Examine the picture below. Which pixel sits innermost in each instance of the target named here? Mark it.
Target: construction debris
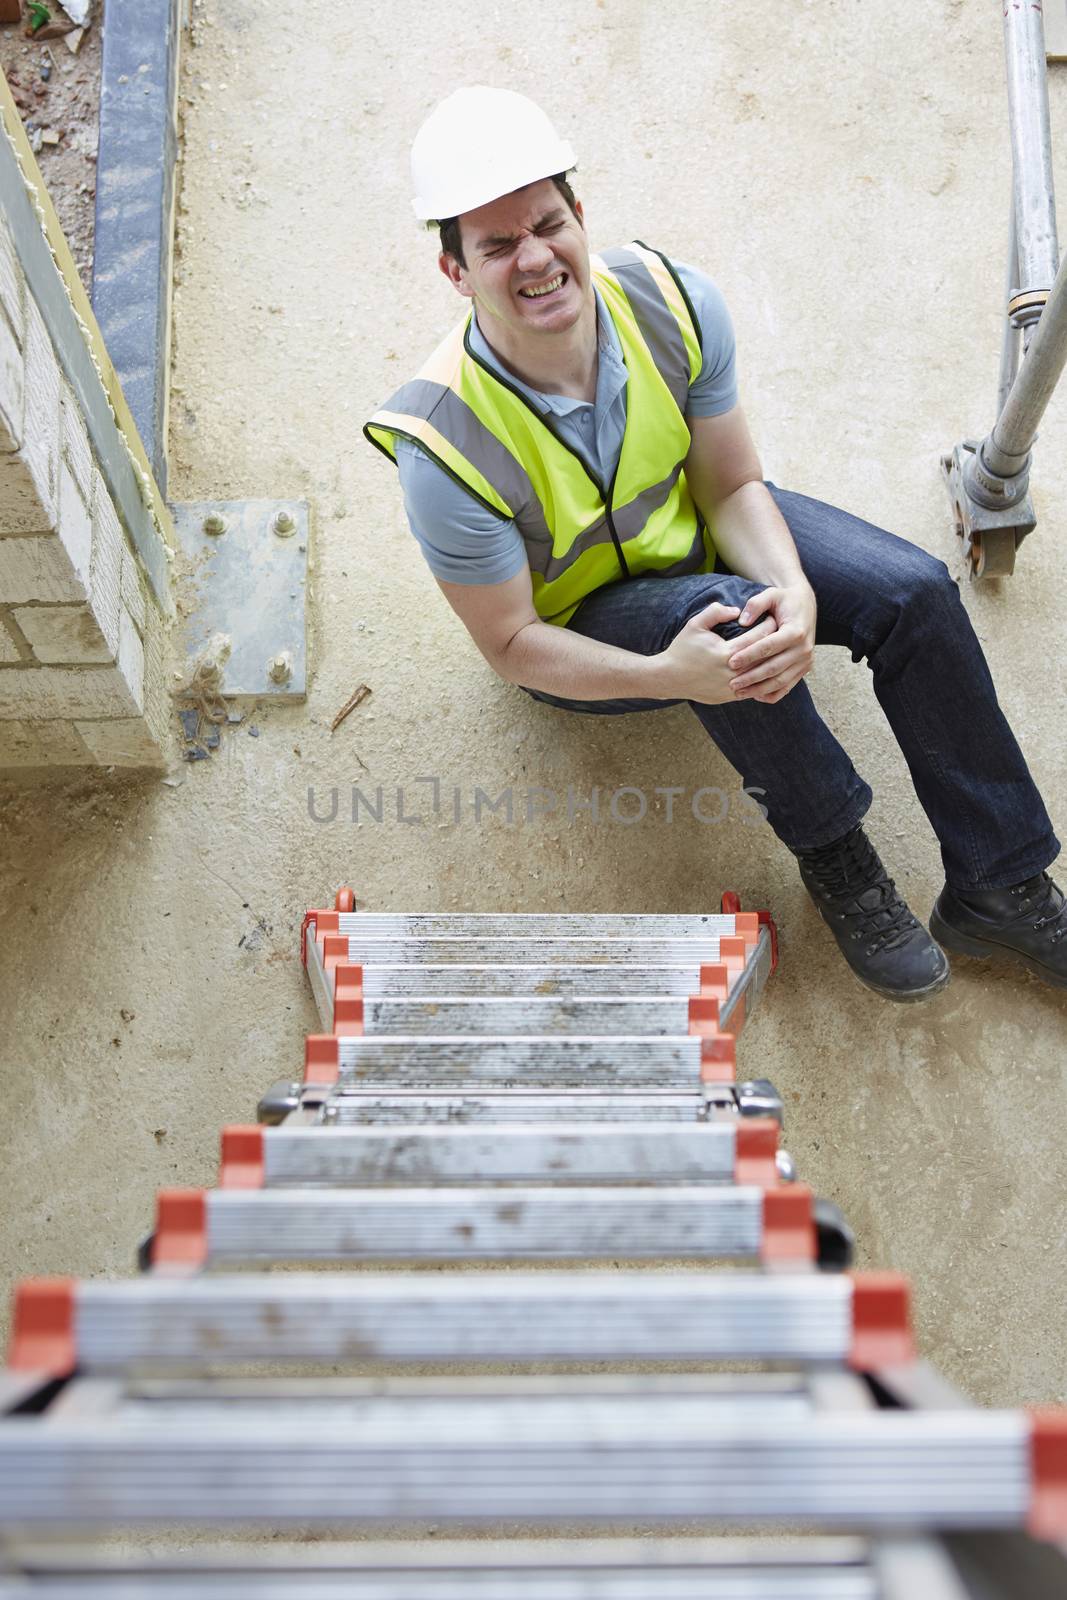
(354, 699)
(77, 11)
(43, 25)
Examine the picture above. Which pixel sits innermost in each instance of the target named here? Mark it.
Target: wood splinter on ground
(350, 704)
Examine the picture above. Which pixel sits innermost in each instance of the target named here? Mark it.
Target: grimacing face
(527, 262)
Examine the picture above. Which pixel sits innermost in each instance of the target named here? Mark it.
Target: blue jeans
(897, 608)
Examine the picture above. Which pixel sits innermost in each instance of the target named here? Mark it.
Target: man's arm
(503, 623)
(724, 475)
(480, 565)
(725, 478)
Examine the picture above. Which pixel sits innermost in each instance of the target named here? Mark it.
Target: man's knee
(916, 595)
(924, 577)
(728, 590)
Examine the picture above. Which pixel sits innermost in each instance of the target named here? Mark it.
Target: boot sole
(962, 944)
(907, 996)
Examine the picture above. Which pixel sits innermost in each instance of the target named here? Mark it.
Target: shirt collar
(611, 368)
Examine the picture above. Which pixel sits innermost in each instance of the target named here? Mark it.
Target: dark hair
(451, 242)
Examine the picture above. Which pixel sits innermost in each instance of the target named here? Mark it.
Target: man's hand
(696, 663)
(766, 668)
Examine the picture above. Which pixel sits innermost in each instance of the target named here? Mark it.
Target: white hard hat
(479, 144)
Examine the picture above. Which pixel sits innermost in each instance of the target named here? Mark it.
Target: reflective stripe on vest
(579, 534)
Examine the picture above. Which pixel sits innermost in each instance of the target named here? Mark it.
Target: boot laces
(1043, 905)
(850, 871)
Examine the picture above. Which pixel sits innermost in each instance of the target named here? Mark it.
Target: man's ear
(579, 211)
(455, 274)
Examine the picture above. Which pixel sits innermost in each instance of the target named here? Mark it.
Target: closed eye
(508, 245)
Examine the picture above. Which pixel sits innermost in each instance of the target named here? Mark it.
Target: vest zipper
(605, 495)
(608, 498)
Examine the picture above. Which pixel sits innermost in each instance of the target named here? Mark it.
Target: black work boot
(885, 945)
(1026, 923)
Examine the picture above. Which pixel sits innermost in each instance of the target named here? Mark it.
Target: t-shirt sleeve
(462, 540)
(715, 389)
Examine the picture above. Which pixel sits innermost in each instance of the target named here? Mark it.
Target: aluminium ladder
(551, 1103)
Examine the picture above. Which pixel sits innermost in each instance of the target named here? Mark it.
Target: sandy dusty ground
(842, 169)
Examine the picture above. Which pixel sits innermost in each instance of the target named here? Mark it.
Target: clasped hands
(764, 665)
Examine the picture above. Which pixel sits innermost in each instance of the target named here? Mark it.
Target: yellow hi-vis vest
(579, 533)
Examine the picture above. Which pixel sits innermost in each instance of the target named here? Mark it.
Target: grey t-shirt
(462, 540)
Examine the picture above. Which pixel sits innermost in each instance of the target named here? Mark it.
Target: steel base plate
(249, 582)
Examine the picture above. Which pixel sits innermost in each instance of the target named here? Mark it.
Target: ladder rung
(741, 1151)
(339, 967)
(544, 925)
(160, 1323)
(537, 1015)
(553, 950)
(681, 1569)
(346, 1103)
(347, 1106)
(678, 1221)
(514, 1454)
(530, 1061)
(396, 981)
(346, 968)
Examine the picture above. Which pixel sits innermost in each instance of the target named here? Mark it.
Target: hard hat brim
(471, 196)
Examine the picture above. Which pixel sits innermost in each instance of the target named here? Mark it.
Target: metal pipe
(1006, 449)
(1031, 145)
(1009, 350)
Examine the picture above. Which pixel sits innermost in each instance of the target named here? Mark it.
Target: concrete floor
(842, 169)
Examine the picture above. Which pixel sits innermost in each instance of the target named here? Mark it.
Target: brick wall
(82, 638)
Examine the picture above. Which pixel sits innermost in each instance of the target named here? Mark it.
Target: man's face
(527, 261)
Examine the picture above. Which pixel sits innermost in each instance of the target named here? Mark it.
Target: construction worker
(580, 477)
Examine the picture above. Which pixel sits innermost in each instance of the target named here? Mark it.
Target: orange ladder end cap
(788, 1224)
(714, 980)
(348, 999)
(335, 947)
(1048, 1473)
(243, 1155)
(882, 1334)
(345, 900)
(718, 1058)
(181, 1228)
(733, 950)
(324, 922)
(42, 1327)
(756, 1151)
(322, 1062)
(703, 1013)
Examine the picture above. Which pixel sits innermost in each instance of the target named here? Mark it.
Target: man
(580, 477)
